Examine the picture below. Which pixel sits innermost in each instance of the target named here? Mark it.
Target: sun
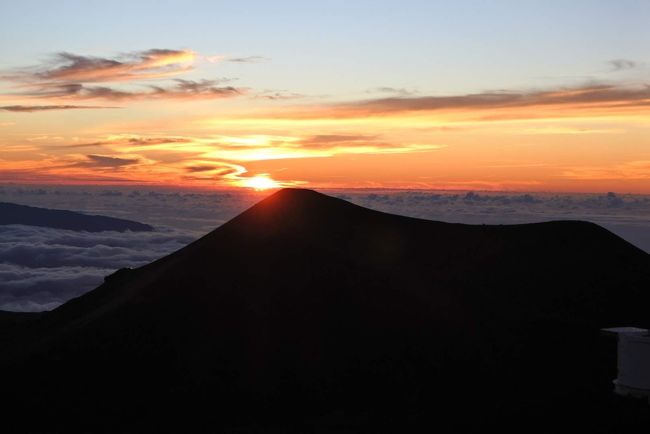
(261, 182)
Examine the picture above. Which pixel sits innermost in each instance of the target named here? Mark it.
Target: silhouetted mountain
(13, 214)
(10, 320)
(309, 314)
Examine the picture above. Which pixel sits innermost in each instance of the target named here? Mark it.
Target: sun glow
(261, 182)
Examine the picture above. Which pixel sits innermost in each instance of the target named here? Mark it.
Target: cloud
(200, 168)
(401, 91)
(623, 64)
(215, 170)
(203, 160)
(40, 268)
(44, 288)
(269, 147)
(278, 95)
(361, 143)
(485, 106)
(201, 88)
(602, 95)
(329, 140)
(69, 76)
(182, 89)
(20, 148)
(67, 67)
(106, 161)
(567, 130)
(629, 170)
(40, 108)
(168, 159)
(248, 59)
(131, 141)
(31, 175)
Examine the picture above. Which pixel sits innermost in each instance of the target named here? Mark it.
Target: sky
(468, 95)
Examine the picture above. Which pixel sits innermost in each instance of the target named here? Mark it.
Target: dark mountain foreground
(13, 214)
(309, 314)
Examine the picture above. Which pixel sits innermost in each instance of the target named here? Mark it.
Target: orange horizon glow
(260, 183)
(581, 139)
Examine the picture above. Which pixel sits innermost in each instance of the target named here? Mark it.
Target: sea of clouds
(40, 268)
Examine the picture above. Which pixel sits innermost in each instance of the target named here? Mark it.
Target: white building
(633, 361)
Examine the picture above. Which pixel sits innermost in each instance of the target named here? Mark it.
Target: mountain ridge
(15, 214)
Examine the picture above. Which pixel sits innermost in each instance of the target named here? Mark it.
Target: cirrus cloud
(181, 89)
(623, 64)
(68, 76)
(41, 108)
(607, 99)
(64, 67)
(40, 268)
(107, 161)
(602, 95)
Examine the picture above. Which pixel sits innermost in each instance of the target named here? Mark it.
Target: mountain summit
(309, 313)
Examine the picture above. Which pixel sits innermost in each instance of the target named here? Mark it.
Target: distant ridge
(307, 313)
(14, 214)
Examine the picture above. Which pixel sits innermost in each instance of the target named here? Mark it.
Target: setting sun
(261, 182)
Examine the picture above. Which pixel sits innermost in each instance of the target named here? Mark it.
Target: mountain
(14, 214)
(9, 321)
(306, 313)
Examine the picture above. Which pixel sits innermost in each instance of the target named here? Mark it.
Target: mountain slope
(310, 312)
(14, 214)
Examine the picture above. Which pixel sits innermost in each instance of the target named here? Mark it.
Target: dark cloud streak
(278, 95)
(623, 64)
(70, 76)
(107, 162)
(183, 89)
(40, 108)
(248, 59)
(602, 95)
(323, 141)
(73, 68)
(401, 91)
(133, 141)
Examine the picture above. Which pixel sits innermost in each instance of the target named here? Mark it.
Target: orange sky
(90, 120)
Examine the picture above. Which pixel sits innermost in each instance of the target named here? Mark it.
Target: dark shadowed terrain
(309, 314)
(14, 214)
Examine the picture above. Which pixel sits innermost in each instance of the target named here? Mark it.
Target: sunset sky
(487, 95)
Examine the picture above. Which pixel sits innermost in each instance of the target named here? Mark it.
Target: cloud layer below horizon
(40, 268)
